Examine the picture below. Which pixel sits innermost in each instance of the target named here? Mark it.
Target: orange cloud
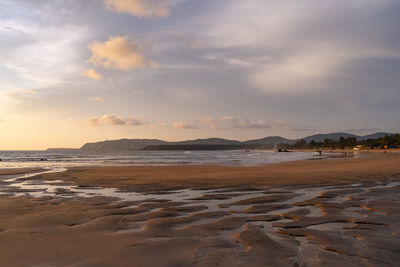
(115, 121)
(95, 98)
(209, 121)
(183, 125)
(29, 91)
(119, 53)
(140, 8)
(91, 73)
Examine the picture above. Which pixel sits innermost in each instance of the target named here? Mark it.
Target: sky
(75, 71)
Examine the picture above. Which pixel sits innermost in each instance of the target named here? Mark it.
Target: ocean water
(51, 159)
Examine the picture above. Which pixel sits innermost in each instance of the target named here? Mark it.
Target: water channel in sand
(322, 212)
(227, 200)
(216, 199)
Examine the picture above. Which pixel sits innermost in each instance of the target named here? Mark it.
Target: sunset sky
(74, 71)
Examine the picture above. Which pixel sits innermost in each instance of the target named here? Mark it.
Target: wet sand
(308, 172)
(13, 171)
(309, 213)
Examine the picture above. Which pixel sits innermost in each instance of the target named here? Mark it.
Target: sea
(72, 158)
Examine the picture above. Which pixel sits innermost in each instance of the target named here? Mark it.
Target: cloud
(95, 98)
(119, 53)
(258, 124)
(91, 73)
(183, 125)
(225, 122)
(208, 121)
(30, 91)
(304, 70)
(21, 94)
(140, 8)
(230, 122)
(115, 121)
(304, 50)
(234, 122)
(38, 56)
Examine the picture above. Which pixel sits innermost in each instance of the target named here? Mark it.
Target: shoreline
(113, 159)
(303, 172)
(395, 151)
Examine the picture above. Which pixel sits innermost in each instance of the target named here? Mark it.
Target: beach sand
(330, 212)
(12, 171)
(308, 172)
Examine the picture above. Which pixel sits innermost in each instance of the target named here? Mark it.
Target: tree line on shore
(390, 141)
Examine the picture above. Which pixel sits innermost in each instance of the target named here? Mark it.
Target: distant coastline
(266, 143)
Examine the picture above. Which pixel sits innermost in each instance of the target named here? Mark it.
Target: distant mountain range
(212, 143)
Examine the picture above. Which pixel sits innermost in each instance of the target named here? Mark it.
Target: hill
(213, 143)
(331, 136)
(336, 136)
(271, 140)
(122, 144)
(208, 141)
